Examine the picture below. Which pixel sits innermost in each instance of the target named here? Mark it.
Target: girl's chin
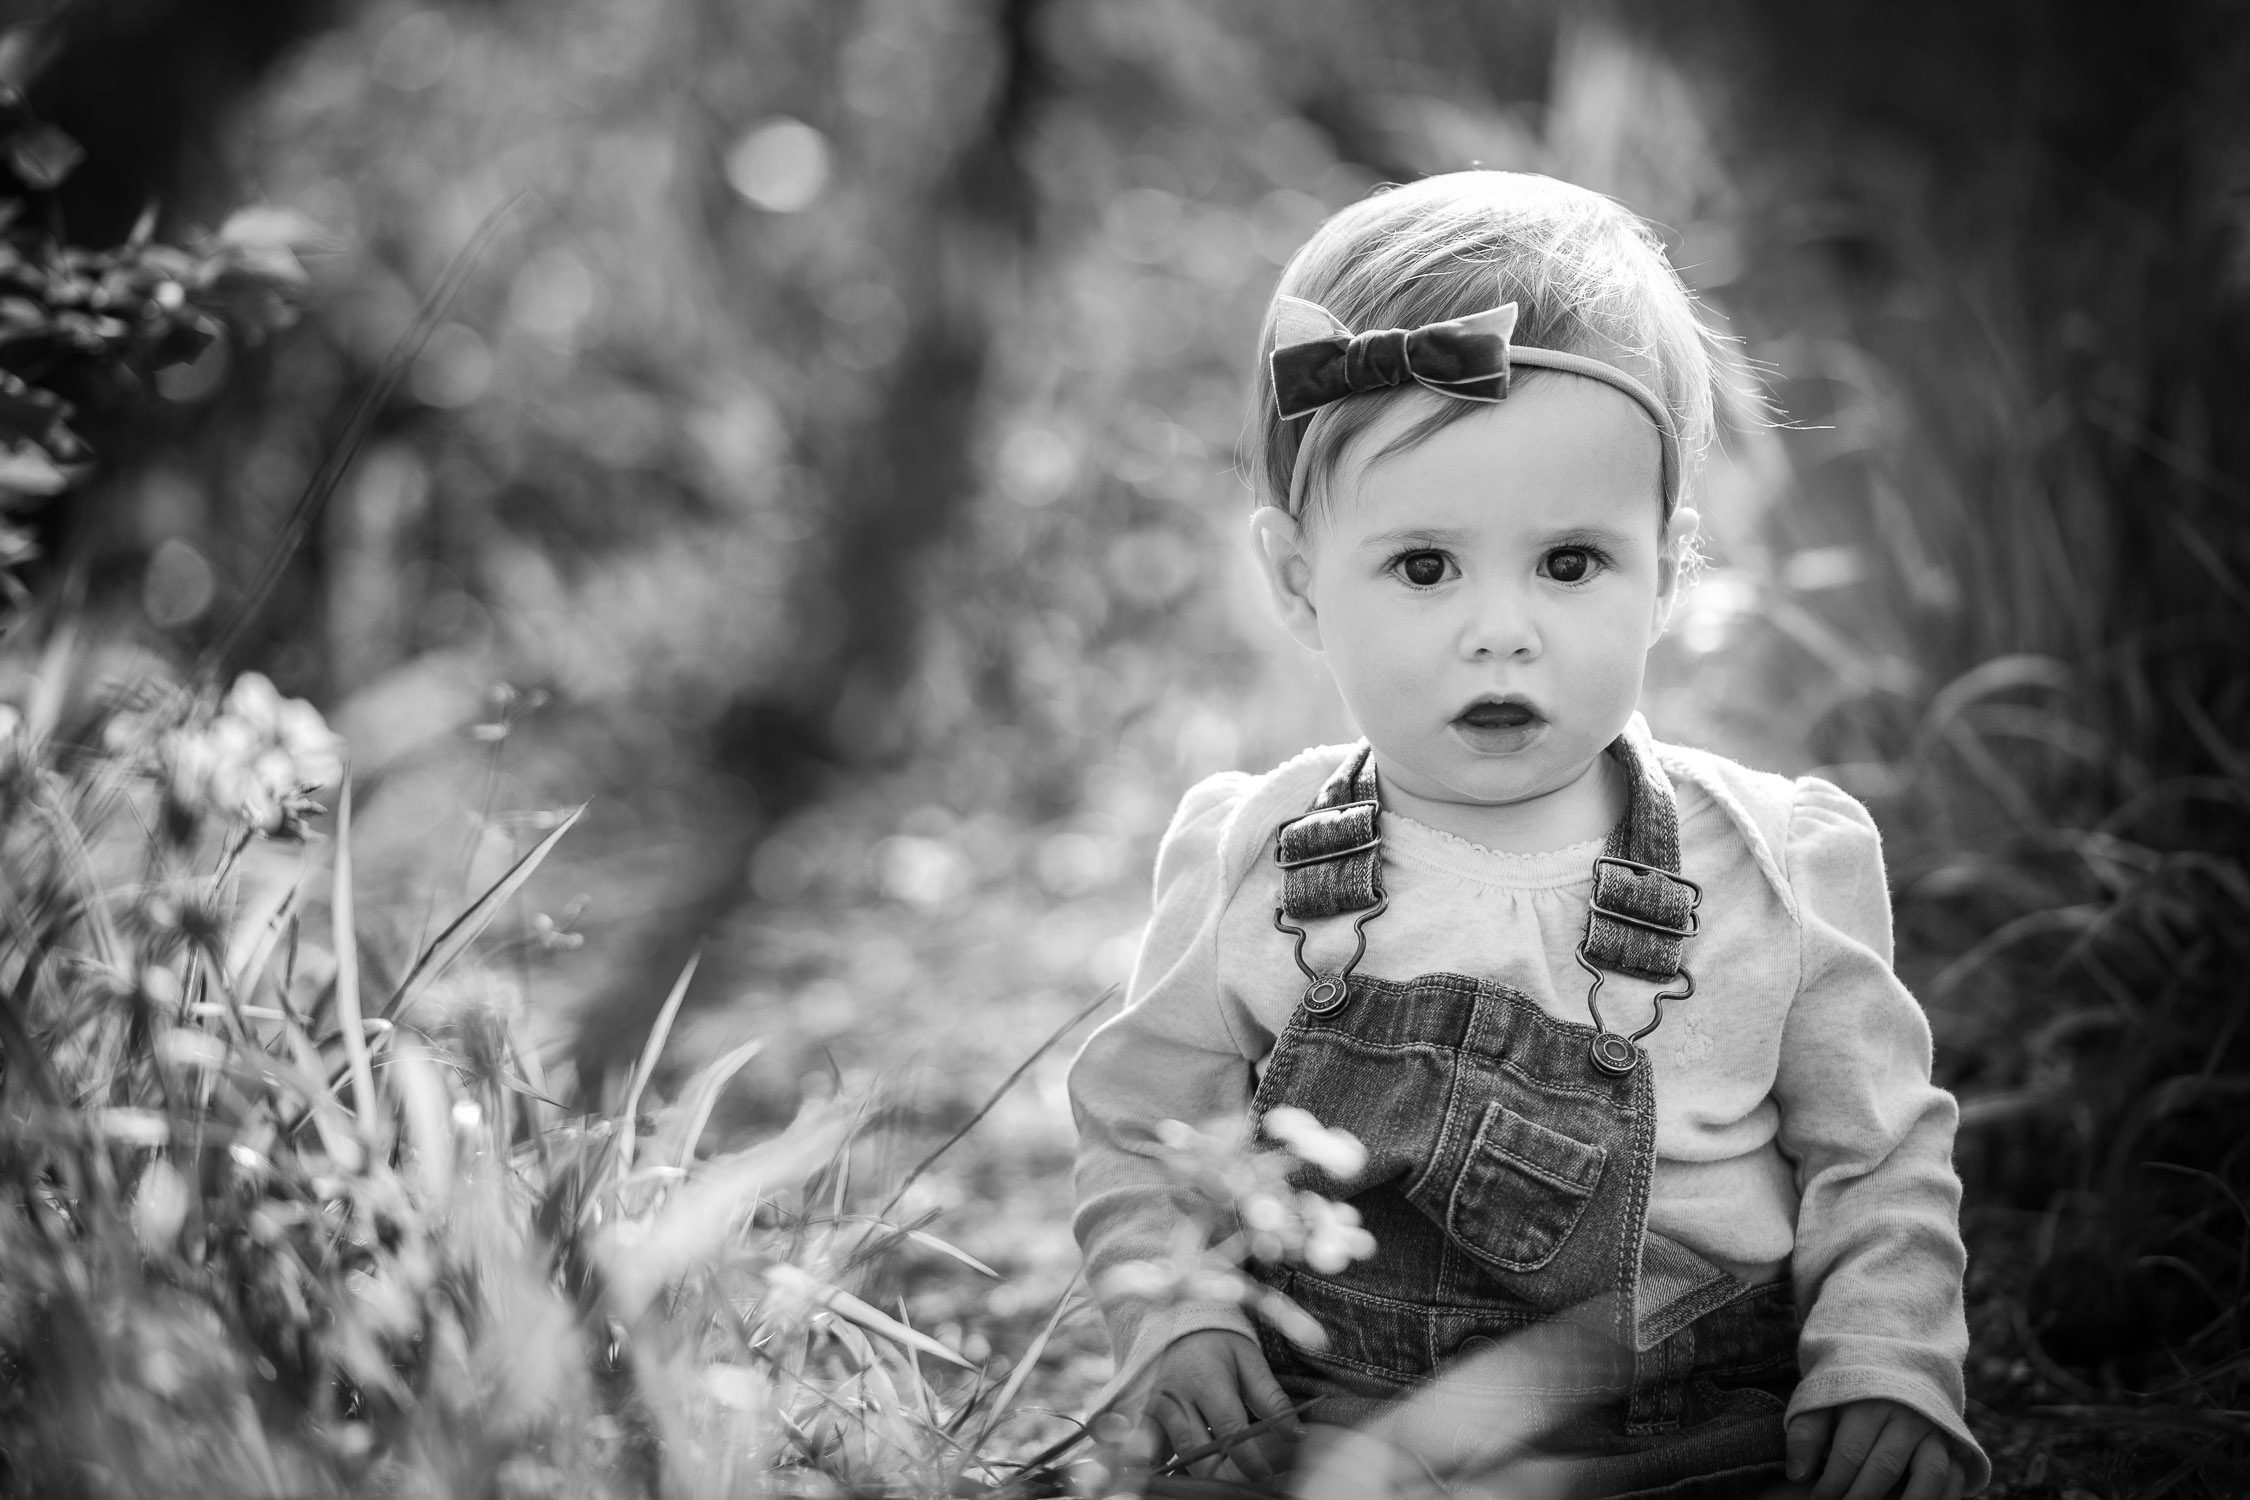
(1482, 777)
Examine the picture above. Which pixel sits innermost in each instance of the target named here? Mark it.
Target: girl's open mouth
(1498, 726)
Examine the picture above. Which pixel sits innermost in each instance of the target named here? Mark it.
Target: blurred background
(818, 454)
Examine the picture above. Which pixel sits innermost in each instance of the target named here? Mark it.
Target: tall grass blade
(929, 1241)
(1005, 1400)
(696, 1220)
(371, 402)
(52, 684)
(798, 1283)
(465, 929)
(701, 1096)
(15, 1031)
(627, 1131)
(996, 1096)
(346, 938)
(88, 905)
(250, 960)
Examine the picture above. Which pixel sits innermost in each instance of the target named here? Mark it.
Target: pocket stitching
(1583, 1195)
(1597, 1156)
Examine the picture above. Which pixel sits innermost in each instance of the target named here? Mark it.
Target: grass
(283, 1223)
(288, 1215)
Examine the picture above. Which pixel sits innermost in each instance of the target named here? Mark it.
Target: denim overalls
(1509, 1159)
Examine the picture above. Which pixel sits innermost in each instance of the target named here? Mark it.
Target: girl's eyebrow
(1606, 537)
(1416, 536)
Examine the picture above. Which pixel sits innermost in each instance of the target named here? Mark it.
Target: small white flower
(1264, 1212)
(1336, 1152)
(1334, 1238)
(256, 760)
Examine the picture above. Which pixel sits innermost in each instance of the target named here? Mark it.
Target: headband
(1317, 361)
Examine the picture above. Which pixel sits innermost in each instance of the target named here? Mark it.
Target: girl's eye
(1570, 564)
(1422, 569)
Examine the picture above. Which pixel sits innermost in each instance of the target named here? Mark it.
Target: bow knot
(1376, 358)
(1465, 357)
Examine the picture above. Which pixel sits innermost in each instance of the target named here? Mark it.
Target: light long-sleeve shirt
(1797, 1130)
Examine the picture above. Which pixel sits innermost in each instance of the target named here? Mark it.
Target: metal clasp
(1613, 1052)
(1328, 992)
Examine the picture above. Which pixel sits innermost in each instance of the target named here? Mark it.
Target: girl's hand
(1210, 1384)
(1875, 1449)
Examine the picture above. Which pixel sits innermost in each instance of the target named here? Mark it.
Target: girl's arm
(1170, 1055)
(1878, 1258)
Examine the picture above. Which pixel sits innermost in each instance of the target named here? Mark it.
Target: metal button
(1613, 1054)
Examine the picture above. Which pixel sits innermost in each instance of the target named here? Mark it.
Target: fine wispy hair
(1587, 276)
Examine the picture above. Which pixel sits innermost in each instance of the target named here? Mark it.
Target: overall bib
(1507, 1183)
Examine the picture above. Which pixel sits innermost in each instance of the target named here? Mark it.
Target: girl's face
(1486, 598)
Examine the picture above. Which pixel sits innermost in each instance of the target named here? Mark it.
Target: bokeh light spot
(178, 586)
(454, 369)
(552, 296)
(1035, 465)
(780, 165)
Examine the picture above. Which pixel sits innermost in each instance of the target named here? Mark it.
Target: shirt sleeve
(1878, 1259)
(1169, 1055)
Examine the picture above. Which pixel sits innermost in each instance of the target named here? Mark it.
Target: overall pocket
(1521, 1191)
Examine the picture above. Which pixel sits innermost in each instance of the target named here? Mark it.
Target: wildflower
(259, 759)
(1336, 1152)
(160, 1207)
(1333, 1237)
(551, 936)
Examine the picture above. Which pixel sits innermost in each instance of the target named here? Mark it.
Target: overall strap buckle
(1331, 855)
(1640, 917)
(1331, 860)
(1642, 910)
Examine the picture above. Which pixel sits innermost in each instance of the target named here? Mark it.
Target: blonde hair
(1586, 275)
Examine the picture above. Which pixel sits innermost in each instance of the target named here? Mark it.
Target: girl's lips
(1493, 726)
(1498, 713)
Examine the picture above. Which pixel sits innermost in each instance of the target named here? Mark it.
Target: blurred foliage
(283, 1216)
(2001, 279)
(93, 329)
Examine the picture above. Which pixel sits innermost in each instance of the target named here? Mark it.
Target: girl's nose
(1500, 624)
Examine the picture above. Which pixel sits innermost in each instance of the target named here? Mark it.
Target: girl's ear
(1673, 561)
(1279, 541)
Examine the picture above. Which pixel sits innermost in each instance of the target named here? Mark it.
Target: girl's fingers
(1807, 1440)
(1223, 1414)
(1263, 1394)
(1927, 1470)
(1183, 1429)
(1956, 1480)
(1856, 1428)
(1886, 1462)
(1251, 1461)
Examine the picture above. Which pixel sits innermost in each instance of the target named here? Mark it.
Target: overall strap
(1642, 911)
(1643, 908)
(1331, 857)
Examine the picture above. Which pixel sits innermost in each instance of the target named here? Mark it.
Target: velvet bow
(1317, 360)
